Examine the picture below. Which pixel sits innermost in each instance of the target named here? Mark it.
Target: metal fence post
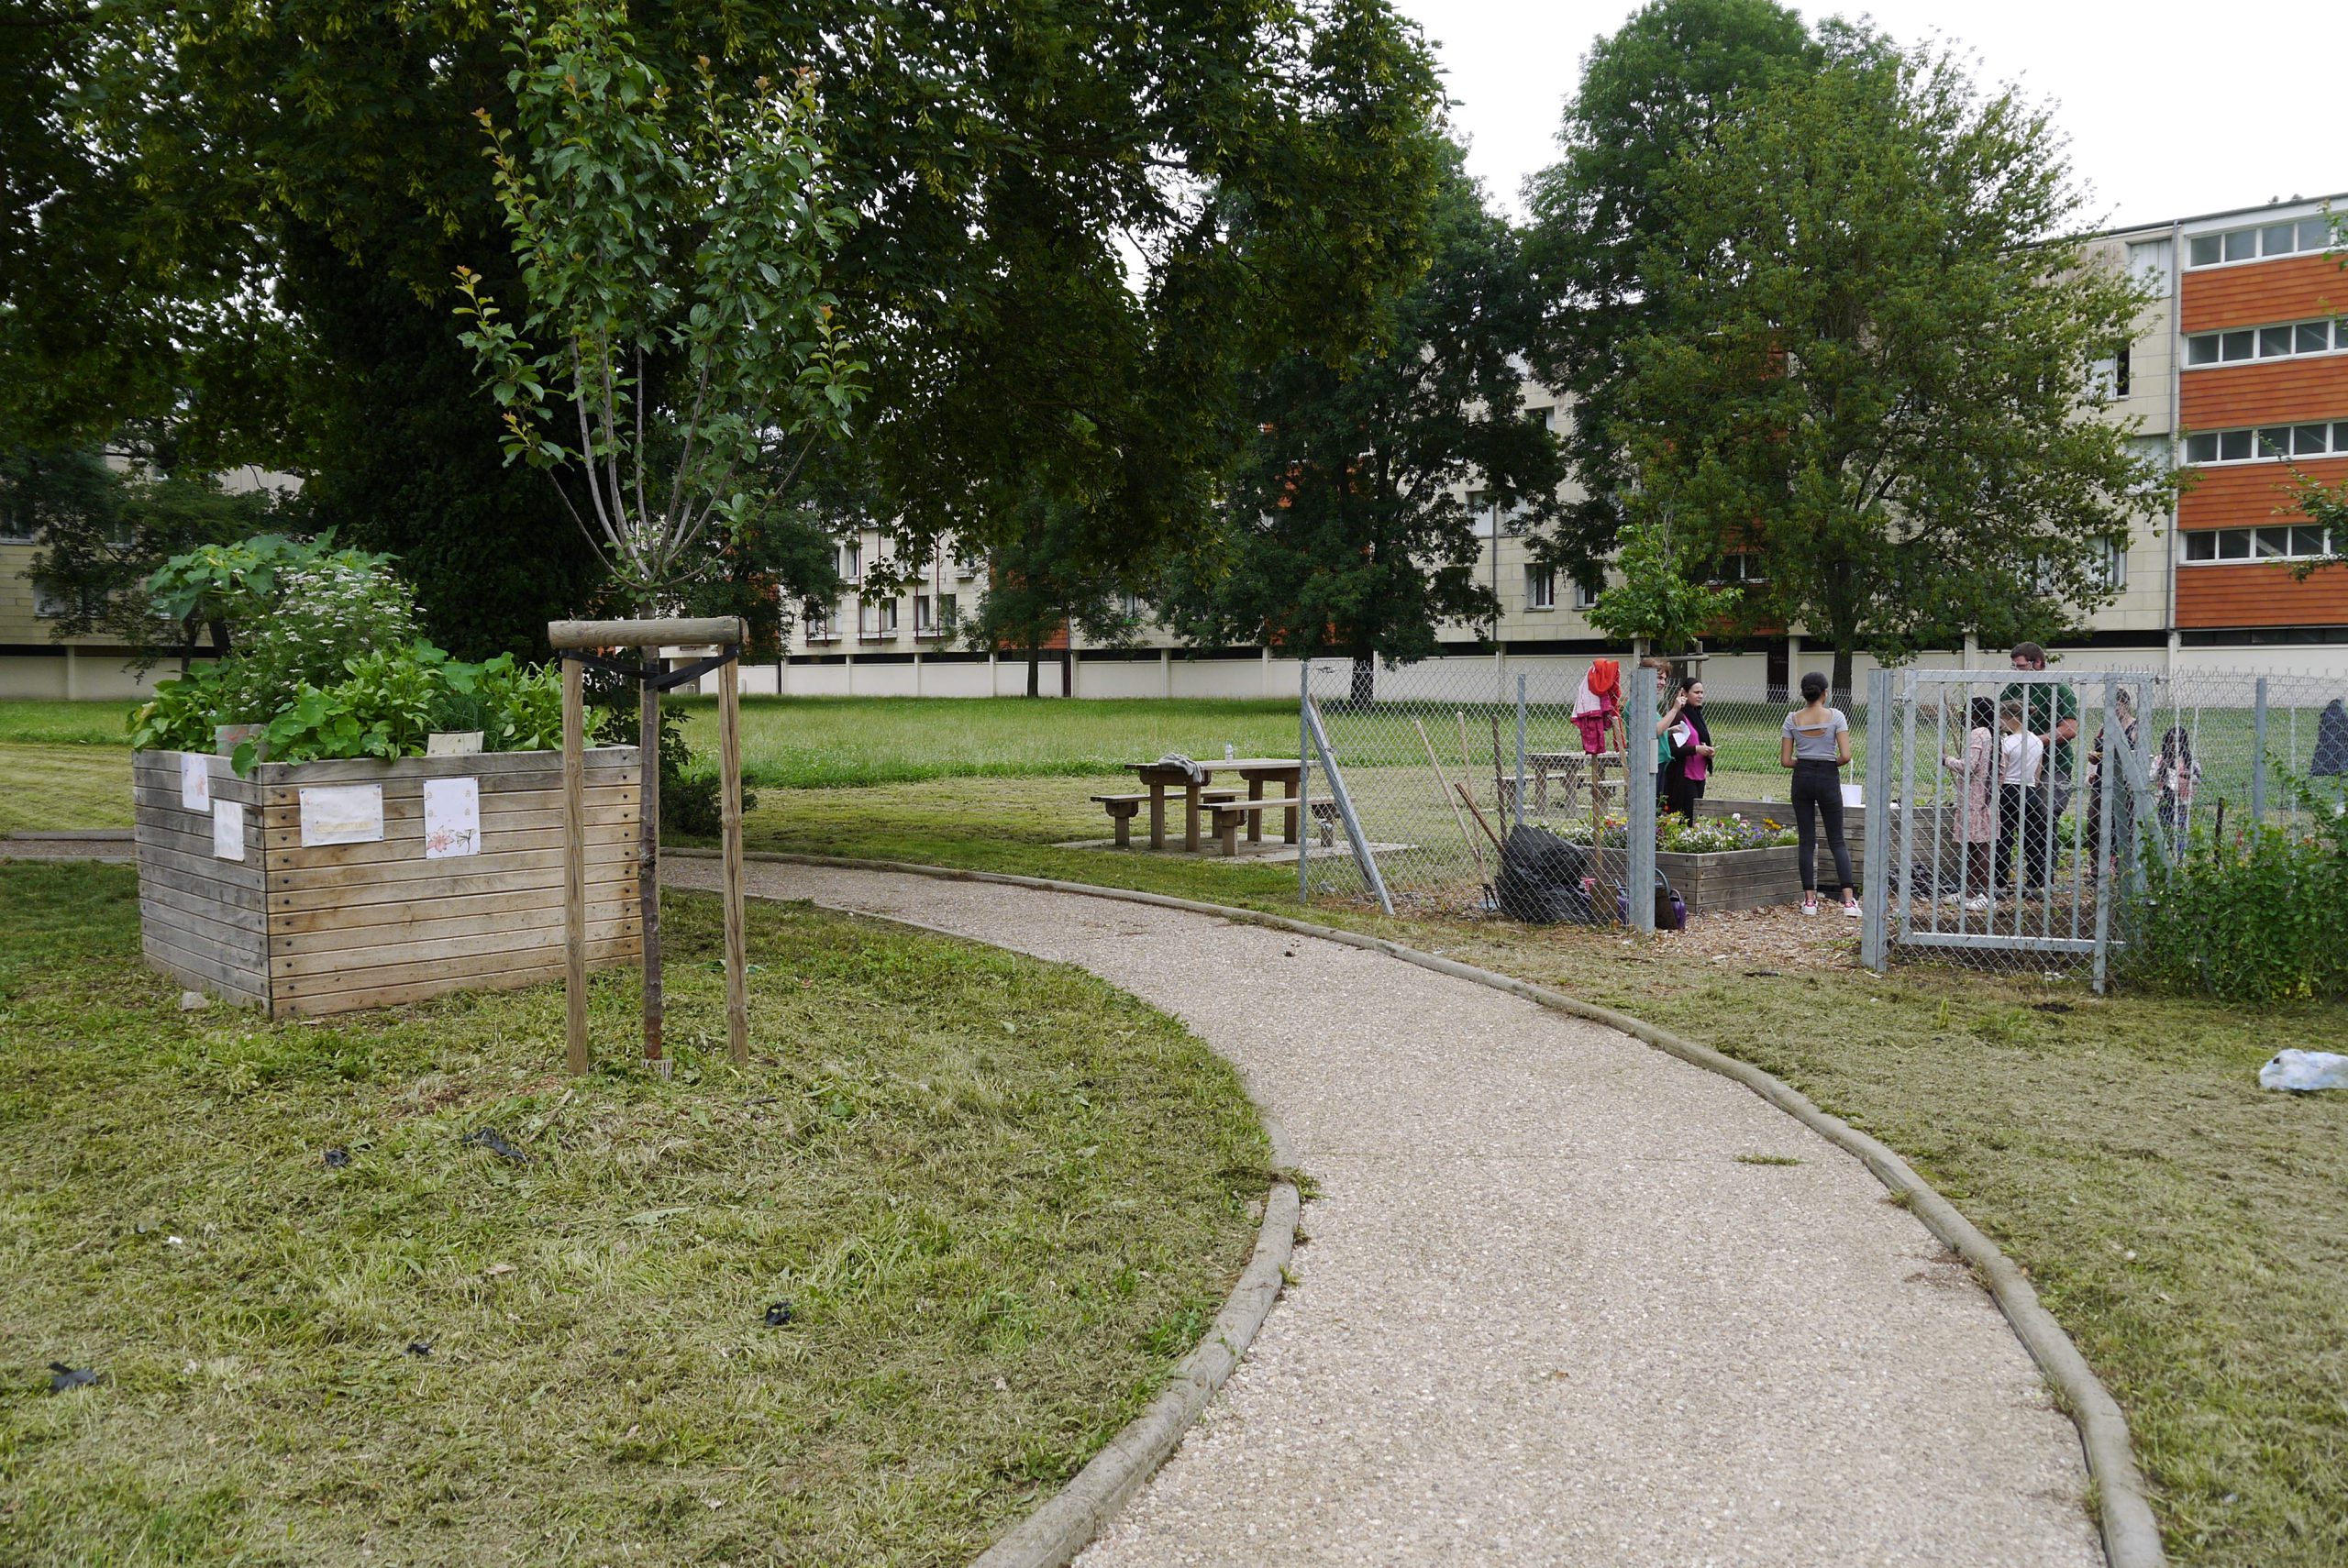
(1904, 867)
(1875, 949)
(2111, 782)
(1639, 740)
(2258, 757)
(1520, 751)
(1303, 784)
(1362, 857)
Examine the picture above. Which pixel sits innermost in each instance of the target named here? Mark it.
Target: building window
(1737, 567)
(2269, 443)
(2269, 542)
(2113, 567)
(924, 618)
(2287, 341)
(851, 561)
(16, 529)
(947, 613)
(876, 618)
(2148, 262)
(1540, 588)
(1586, 591)
(47, 605)
(2303, 235)
(819, 624)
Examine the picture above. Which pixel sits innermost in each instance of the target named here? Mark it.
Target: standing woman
(1816, 744)
(1691, 754)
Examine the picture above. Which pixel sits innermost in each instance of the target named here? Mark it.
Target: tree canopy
(1346, 531)
(1077, 225)
(1657, 88)
(1869, 355)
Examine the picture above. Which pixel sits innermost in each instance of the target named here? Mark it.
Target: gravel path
(1545, 1314)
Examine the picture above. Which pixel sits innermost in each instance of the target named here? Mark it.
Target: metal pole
(1362, 857)
(2258, 759)
(2113, 781)
(1303, 784)
(1903, 869)
(1520, 751)
(1873, 947)
(1638, 860)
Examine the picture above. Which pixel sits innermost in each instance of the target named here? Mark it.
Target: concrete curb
(2131, 1534)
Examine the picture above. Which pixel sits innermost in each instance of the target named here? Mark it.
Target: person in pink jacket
(1976, 773)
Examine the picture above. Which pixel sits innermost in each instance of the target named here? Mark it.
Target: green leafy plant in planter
(1706, 835)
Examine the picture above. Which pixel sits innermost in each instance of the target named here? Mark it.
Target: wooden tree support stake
(575, 642)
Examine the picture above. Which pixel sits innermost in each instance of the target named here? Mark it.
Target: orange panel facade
(2270, 392)
(2255, 293)
(2247, 495)
(2260, 593)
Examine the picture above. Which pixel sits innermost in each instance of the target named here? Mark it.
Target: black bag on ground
(1540, 878)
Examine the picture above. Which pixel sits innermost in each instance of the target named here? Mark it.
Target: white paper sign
(196, 781)
(1854, 794)
(451, 818)
(342, 813)
(228, 831)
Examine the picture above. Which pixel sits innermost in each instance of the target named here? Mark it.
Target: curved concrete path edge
(2131, 1534)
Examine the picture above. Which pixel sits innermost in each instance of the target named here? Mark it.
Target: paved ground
(1546, 1315)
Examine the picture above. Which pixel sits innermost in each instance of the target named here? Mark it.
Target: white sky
(2172, 110)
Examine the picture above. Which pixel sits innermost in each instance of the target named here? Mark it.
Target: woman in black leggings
(1815, 744)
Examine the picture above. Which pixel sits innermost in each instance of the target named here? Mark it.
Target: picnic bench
(1572, 767)
(1158, 778)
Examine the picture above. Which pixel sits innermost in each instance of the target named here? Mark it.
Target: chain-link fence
(1442, 765)
(2042, 822)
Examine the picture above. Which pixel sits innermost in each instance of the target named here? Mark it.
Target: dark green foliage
(1265, 167)
(1046, 573)
(1655, 89)
(2257, 916)
(1869, 349)
(1344, 532)
(103, 530)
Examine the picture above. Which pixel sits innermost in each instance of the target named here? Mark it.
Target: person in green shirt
(2051, 712)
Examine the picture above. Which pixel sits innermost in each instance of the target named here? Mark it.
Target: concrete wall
(73, 676)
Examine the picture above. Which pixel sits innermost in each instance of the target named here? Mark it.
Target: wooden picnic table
(1569, 766)
(1158, 778)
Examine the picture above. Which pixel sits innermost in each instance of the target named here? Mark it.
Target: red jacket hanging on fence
(1595, 706)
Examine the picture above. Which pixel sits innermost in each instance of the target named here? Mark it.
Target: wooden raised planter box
(1747, 878)
(291, 890)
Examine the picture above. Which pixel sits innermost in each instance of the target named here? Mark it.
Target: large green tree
(1346, 531)
(1871, 357)
(1657, 88)
(1046, 576)
(1077, 221)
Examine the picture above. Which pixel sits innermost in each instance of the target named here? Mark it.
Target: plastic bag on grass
(2302, 1071)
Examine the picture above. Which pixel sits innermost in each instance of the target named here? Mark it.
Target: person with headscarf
(1691, 753)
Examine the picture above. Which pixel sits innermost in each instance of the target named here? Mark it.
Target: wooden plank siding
(2260, 593)
(2289, 288)
(332, 928)
(2265, 391)
(201, 918)
(2244, 495)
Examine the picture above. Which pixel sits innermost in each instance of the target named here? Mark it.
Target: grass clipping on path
(1001, 1197)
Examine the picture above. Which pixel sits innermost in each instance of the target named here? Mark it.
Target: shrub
(2259, 916)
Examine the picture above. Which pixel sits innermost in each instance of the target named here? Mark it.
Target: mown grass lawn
(2182, 1224)
(1001, 1199)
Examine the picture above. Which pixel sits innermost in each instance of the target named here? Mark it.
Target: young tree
(1657, 88)
(1658, 600)
(1045, 578)
(1345, 531)
(1871, 358)
(675, 257)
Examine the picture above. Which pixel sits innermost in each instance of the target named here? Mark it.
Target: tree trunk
(1035, 664)
(1365, 691)
(647, 861)
(1842, 695)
